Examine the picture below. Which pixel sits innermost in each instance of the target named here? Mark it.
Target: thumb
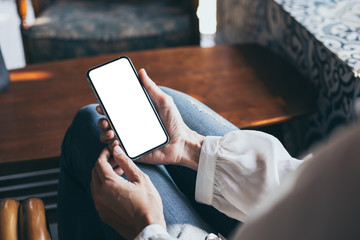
(126, 164)
(154, 91)
(103, 167)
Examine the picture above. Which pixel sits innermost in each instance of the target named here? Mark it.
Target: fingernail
(118, 150)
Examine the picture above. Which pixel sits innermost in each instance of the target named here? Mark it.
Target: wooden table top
(245, 84)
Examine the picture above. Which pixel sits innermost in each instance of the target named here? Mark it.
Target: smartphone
(128, 107)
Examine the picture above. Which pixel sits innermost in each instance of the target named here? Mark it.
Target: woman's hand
(184, 146)
(127, 206)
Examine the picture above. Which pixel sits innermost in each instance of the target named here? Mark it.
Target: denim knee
(86, 117)
(82, 137)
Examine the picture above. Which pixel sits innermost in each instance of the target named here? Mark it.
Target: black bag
(4, 75)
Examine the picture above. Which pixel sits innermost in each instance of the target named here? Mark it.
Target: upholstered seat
(68, 29)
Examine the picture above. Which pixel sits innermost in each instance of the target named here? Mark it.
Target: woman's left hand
(127, 206)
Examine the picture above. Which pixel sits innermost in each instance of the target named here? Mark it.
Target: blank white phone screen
(127, 107)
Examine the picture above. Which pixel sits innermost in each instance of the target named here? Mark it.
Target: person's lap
(205, 121)
(77, 216)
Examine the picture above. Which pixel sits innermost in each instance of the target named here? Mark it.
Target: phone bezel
(108, 117)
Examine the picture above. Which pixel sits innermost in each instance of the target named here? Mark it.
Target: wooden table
(245, 84)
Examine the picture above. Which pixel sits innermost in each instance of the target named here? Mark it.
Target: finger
(113, 144)
(102, 166)
(119, 171)
(112, 163)
(103, 124)
(116, 167)
(107, 136)
(99, 110)
(154, 91)
(126, 164)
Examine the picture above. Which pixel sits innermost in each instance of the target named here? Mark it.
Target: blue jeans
(77, 216)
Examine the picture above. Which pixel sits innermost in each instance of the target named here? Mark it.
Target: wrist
(158, 221)
(155, 218)
(192, 149)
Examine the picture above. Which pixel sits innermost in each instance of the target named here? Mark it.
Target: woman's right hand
(184, 146)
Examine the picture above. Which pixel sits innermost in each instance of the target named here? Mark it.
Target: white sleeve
(154, 232)
(236, 171)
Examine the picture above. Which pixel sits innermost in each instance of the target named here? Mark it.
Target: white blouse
(235, 173)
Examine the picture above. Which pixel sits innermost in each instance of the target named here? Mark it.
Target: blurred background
(10, 35)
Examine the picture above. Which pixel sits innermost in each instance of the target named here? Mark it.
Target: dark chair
(68, 29)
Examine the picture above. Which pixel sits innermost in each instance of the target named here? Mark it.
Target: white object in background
(207, 22)
(10, 35)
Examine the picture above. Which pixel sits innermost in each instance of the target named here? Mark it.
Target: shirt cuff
(153, 231)
(206, 170)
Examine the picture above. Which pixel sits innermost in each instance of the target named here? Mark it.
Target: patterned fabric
(329, 64)
(336, 23)
(81, 28)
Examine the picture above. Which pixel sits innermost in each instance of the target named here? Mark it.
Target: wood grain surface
(247, 85)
